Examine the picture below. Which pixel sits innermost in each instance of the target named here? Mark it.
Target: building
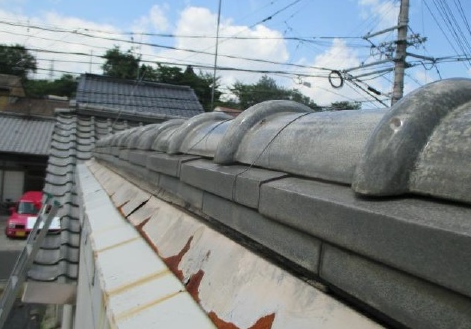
(24, 151)
(278, 218)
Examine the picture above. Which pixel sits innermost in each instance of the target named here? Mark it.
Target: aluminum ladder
(27, 256)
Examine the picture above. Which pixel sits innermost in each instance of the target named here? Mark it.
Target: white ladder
(25, 259)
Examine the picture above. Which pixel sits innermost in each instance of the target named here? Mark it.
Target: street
(22, 316)
(9, 250)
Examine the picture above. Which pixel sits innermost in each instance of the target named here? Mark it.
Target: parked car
(24, 215)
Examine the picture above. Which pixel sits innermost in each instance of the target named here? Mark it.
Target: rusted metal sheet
(235, 287)
(123, 282)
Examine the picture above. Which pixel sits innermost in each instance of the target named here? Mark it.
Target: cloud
(156, 20)
(381, 14)
(265, 43)
(23, 31)
(338, 57)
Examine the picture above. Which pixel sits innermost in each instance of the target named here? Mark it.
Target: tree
(16, 60)
(344, 105)
(118, 64)
(125, 65)
(267, 89)
(201, 83)
(64, 86)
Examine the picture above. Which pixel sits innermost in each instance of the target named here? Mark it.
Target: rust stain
(221, 324)
(173, 261)
(140, 227)
(193, 285)
(265, 322)
(120, 208)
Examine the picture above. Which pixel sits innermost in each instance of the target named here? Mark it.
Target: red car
(23, 214)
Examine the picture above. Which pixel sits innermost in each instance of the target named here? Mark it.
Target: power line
(205, 52)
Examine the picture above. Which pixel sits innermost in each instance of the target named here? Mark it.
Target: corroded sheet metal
(123, 283)
(235, 287)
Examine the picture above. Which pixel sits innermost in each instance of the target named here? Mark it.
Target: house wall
(31, 168)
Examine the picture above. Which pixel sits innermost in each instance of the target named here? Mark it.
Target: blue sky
(296, 42)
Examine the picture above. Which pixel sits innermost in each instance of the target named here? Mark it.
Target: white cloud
(338, 57)
(156, 20)
(383, 14)
(41, 41)
(267, 45)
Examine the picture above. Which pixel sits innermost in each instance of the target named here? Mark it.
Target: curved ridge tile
(322, 145)
(204, 139)
(182, 132)
(392, 151)
(443, 167)
(166, 131)
(146, 140)
(134, 140)
(240, 125)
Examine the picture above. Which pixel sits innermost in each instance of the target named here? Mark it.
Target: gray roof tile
(140, 98)
(25, 135)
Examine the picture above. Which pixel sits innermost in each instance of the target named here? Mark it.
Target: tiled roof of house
(137, 97)
(376, 205)
(104, 106)
(30, 135)
(72, 141)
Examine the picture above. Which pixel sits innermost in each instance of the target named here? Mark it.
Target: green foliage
(344, 105)
(267, 89)
(16, 60)
(65, 86)
(201, 83)
(123, 65)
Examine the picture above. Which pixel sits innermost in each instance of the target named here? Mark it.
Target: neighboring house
(13, 99)
(24, 152)
(11, 89)
(128, 98)
(103, 106)
(279, 218)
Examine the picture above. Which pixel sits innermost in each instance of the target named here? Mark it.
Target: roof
(72, 141)
(373, 204)
(25, 135)
(137, 97)
(235, 287)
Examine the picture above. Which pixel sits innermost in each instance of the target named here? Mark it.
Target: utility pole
(213, 88)
(401, 48)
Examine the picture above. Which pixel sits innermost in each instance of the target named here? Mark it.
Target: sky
(299, 43)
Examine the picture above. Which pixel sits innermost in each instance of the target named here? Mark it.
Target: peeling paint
(120, 208)
(140, 226)
(262, 323)
(173, 261)
(193, 285)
